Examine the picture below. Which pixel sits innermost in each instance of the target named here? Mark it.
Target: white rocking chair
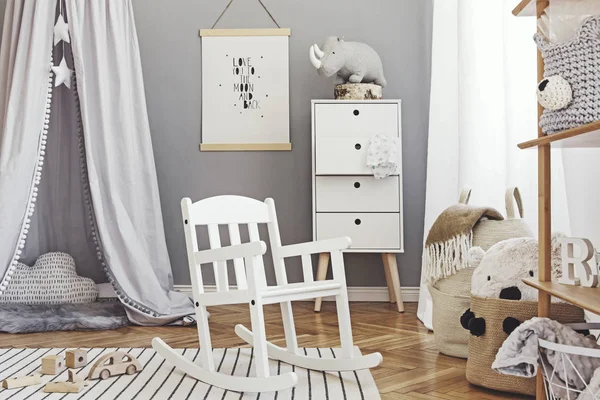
(252, 289)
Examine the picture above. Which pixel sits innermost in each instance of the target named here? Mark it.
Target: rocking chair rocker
(252, 289)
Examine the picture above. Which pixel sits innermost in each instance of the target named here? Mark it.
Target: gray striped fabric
(160, 381)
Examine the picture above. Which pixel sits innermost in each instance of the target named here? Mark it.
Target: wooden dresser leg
(389, 262)
(321, 275)
(388, 279)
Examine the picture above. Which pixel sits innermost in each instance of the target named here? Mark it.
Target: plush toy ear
(475, 256)
(554, 92)
(466, 317)
(477, 326)
(510, 324)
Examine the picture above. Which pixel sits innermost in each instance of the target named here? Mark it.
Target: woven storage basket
(578, 62)
(487, 232)
(483, 349)
(451, 297)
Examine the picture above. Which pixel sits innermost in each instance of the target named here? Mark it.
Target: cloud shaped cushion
(52, 280)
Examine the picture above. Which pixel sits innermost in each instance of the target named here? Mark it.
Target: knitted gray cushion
(52, 280)
(578, 61)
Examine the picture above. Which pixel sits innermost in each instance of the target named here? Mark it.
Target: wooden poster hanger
(253, 121)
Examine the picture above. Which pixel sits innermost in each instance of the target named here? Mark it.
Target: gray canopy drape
(77, 170)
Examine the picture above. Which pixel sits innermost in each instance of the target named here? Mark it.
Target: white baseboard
(355, 293)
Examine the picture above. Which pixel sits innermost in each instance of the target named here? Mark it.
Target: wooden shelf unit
(587, 135)
(525, 8)
(584, 297)
(584, 136)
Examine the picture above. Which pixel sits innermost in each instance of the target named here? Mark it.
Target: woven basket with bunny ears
(487, 232)
(451, 296)
(578, 62)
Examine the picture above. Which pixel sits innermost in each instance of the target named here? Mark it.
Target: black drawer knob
(357, 221)
(356, 112)
(357, 146)
(357, 184)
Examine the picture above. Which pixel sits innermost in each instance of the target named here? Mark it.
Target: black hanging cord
(231, 1)
(268, 12)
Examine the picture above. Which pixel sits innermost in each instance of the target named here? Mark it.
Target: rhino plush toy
(351, 62)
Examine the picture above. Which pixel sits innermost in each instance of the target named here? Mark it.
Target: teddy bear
(499, 273)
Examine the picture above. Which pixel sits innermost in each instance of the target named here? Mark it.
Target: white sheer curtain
(483, 103)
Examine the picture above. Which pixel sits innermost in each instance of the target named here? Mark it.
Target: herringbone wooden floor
(412, 368)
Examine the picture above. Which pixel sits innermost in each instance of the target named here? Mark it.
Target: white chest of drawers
(347, 199)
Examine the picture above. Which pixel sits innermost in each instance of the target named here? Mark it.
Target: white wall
(583, 192)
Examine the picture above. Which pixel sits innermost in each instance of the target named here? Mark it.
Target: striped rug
(160, 381)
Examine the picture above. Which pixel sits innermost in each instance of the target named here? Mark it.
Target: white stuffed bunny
(499, 271)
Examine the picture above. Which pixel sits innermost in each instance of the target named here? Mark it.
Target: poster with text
(245, 92)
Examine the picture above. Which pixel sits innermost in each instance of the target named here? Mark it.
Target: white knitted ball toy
(554, 93)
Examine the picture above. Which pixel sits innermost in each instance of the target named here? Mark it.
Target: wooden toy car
(116, 363)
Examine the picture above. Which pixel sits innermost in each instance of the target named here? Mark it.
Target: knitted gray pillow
(52, 280)
(578, 62)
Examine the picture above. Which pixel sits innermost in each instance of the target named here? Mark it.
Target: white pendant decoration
(61, 31)
(581, 268)
(62, 74)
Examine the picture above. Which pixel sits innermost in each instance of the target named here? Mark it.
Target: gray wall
(168, 32)
(400, 30)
